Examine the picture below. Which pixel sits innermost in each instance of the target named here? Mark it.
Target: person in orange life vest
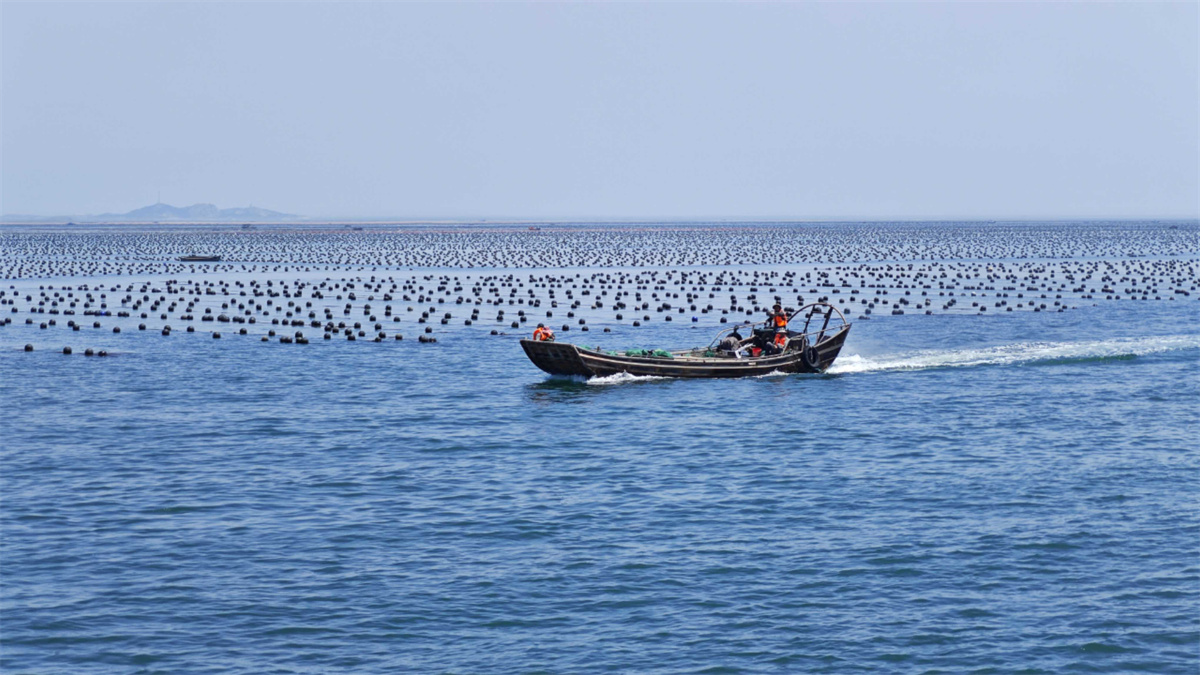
(543, 334)
(779, 321)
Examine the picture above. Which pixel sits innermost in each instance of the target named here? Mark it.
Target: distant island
(155, 213)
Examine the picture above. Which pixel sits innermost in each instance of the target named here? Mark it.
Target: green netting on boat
(657, 353)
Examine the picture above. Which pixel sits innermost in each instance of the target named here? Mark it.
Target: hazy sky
(804, 110)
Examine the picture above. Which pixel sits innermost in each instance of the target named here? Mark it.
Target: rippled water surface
(1005, 493)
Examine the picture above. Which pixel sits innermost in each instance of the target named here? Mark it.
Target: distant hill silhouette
(196, 213)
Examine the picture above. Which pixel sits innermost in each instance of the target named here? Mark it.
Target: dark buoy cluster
(68, 351)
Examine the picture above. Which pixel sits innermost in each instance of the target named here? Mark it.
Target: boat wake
(773, 373)
(622, 378)
(1027, 353)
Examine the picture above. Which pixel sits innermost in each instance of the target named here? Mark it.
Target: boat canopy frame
(804, 333)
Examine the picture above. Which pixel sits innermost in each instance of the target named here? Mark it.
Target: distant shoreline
(569, 222)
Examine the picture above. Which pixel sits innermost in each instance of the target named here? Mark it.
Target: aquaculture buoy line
(347, 285)
(27, 252)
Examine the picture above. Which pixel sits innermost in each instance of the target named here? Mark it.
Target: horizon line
(31, 219)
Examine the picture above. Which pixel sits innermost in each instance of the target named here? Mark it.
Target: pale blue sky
(803, 110)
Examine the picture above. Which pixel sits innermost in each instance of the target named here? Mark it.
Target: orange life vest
(542, 334)
(780, 319)
(780, 339)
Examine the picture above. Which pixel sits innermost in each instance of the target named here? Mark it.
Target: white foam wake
(773, 373)
(621, 378)
(1027, 352)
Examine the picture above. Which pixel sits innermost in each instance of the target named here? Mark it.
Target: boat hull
(560, 358)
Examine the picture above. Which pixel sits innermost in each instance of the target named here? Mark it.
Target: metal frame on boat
(806, 351)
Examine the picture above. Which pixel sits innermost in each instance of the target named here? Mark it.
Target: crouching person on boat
(733, 344)
(774, 345)
(543, 334)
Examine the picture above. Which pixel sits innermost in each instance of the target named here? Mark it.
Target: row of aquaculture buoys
(93, 252)
(343, 281)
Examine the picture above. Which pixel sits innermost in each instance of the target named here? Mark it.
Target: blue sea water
(961, 493)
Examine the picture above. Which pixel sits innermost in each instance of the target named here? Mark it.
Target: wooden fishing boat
(200, 258)
(730, 354)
